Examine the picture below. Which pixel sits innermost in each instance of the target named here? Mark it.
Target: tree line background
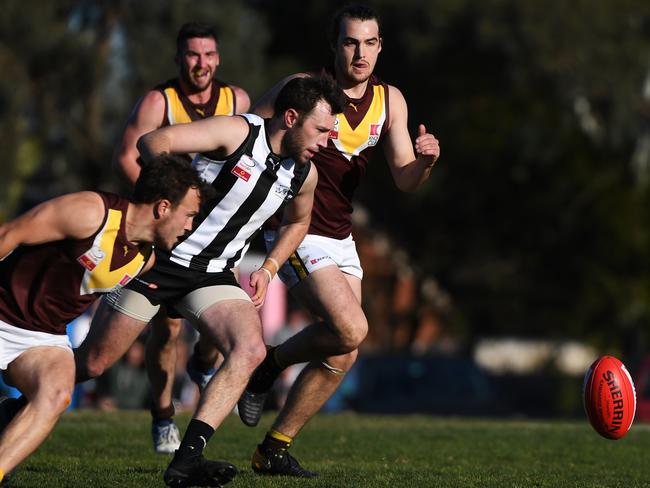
(535, 220)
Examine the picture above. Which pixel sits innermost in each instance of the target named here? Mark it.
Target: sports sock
(196, 437)
(275, 441)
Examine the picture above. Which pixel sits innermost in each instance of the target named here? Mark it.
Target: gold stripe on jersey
(350, 142)
(226, 104)
(98, 277)
(176, 113)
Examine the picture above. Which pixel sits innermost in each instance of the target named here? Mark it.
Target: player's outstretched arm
(147, 115)
(72, 216)
(295, 224)
(223, 134)
(410, 164)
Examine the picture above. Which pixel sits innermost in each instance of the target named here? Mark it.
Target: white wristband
(268, 273)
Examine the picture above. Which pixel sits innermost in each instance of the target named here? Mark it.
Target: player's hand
(259, 282)
(427, 146)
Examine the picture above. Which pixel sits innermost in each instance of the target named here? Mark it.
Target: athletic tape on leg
(332, 369)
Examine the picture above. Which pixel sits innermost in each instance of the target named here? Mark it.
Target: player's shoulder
(87, 209)
(152, 100)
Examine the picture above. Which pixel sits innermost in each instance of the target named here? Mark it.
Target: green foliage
(101, 450)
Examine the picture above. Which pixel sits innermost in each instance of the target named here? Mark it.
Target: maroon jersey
(44, 287)
(342, 164)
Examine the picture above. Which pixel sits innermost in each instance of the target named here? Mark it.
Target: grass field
(93, 449)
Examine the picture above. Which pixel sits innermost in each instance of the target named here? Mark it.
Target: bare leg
(316, 384)
(336, 297)
(45, 376)
(111, 333)
(234, 326)
(161, 359)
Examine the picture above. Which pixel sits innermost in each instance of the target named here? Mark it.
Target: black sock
(275, 441)
(196, 437)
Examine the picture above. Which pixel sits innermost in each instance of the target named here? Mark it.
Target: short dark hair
(167, 176)
(303, 93)
(191, 30)
(351, 11)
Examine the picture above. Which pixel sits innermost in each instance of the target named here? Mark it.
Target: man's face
(357, 49)
(309, 134)
(177, 221)
(198, 62)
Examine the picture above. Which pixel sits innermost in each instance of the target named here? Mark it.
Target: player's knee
(54, 400)
(257, 353)
(248, 355)
(353, 335)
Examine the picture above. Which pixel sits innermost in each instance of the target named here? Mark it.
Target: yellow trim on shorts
(298, 266)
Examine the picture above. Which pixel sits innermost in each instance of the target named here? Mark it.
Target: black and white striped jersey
(251, 185)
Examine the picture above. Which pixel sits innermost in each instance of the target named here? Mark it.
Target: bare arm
(146, 116)
(295, 224)
(221, 133)
(408, 171)
(242, 100)
(73, 216)
(264, 106)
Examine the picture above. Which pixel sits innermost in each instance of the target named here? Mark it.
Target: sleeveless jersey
(44, 287)
(179, 109)
(342, 164)
(251, 185)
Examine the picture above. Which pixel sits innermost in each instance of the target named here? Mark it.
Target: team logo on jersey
(334, 133)
(283, 192)
(91, 258)
(247, 161)
(125, 279)
(241, 172)
(373, 135)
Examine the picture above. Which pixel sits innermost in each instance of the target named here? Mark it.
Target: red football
(609, 397)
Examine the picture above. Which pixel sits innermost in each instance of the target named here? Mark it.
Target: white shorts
(191, 306)
(14, 341)
(316, 252)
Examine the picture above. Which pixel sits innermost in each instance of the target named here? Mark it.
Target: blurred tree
(72, 71)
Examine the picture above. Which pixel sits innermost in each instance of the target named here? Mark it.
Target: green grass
(93, 449)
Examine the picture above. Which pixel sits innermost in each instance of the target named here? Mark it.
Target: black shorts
(168, 282)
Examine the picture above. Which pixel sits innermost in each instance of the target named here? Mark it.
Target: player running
(193, 95)
(324, 273)
(57, 259)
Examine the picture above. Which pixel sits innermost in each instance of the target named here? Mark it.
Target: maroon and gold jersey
(179, 109)
(342, 164)
(44, 287)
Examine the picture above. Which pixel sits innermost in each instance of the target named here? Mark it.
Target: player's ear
(161, 208)
(381, 43)
(291, 117)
